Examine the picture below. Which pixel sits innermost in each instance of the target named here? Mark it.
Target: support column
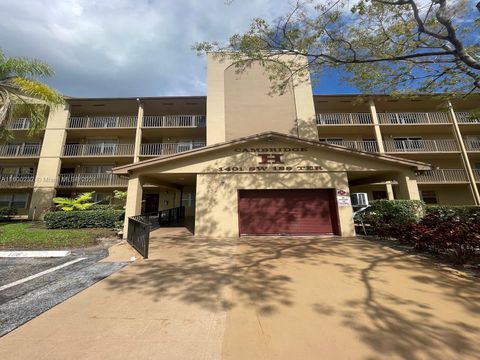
(49, 163)
(466, 161)
(133, 205)
(138, 133)
(407, 186)
(380, 144)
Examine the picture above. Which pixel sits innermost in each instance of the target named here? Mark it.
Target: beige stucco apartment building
(244, 161)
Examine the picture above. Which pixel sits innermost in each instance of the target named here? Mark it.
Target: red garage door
(290, 212)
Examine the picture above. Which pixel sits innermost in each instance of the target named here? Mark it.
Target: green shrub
(453, 231)
(6, 213)
(391, 217)
(83, 219)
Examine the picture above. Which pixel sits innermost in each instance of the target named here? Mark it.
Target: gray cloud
(124, 47)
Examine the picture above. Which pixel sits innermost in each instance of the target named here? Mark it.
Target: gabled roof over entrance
(270, 136)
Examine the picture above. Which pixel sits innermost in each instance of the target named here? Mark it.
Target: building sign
(343, 198)
(274, 159)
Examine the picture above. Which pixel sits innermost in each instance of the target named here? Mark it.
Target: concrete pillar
(133, 205)
(466, 161)
(407, 186)
(49, 163)
(138, 134)
(380, 144)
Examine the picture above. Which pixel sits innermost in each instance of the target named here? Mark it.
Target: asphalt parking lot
(24, 295)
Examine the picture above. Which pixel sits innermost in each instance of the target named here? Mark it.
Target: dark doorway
(151, 203)
(379, 195)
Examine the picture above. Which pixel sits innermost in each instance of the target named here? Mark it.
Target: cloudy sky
(127, 47)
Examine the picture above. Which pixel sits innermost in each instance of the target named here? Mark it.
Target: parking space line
(31, 277)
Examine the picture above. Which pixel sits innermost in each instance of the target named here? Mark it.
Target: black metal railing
(139, 226)
(139, 234)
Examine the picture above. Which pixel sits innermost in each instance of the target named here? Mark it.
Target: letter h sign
(270, 159)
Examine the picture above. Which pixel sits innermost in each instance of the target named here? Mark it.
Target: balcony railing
(464, 117)
(401, 146)
(17, 181)
(98, 150)
(19, 124)
(472, 144)
(91, 180)
(21, 150)
(344, 118)
(368, 146)
(476, 173)
(159, 149)
(443, 176)
(174, 121)
(413, 118)
(99, 122)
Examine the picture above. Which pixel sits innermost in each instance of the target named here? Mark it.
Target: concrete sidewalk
(263, 298)
(122, 317)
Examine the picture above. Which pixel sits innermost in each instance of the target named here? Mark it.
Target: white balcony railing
(98, 122)
(174, 121)
(464, 117)
(98, 150)
(91, 180)
(476, 173)
(344, 118)
(472, 144)
(443, 176)
(402, 146)
(17, 181)
(19, 124)
(413, 118)
(20, 150)
(368, 146)
(159, 149)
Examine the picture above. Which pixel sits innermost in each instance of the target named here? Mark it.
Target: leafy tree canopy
(380, 46)
(22, 95)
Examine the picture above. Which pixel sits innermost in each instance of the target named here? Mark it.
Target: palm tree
(22, 95)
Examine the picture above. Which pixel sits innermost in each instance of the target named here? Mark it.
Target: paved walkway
(262, 298)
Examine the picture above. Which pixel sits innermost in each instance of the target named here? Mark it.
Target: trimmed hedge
(391, 217)
(83, 219)
(453, 231)
(6, 213)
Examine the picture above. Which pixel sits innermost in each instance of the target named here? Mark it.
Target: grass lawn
(32, 235)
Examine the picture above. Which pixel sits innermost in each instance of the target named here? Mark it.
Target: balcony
(17, 181)
(476, 173)
(91, 180)
(344, 119)
(443, 176)
(472, 144)
(102, 122)
(420, 146)
(169, 121)
(465, 117)
(413, 118)
(368, 146)
(162, 149)
(19, 124)
(87, 150)
(20, 150)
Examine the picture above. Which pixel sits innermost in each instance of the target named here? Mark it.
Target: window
(18, 201)
(408, 143)
(188, 199)
(429, 197)
(379, 195)
(102, 198)
(102, 146)
(98, 169)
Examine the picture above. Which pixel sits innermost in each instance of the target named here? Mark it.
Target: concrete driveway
(263, 298)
